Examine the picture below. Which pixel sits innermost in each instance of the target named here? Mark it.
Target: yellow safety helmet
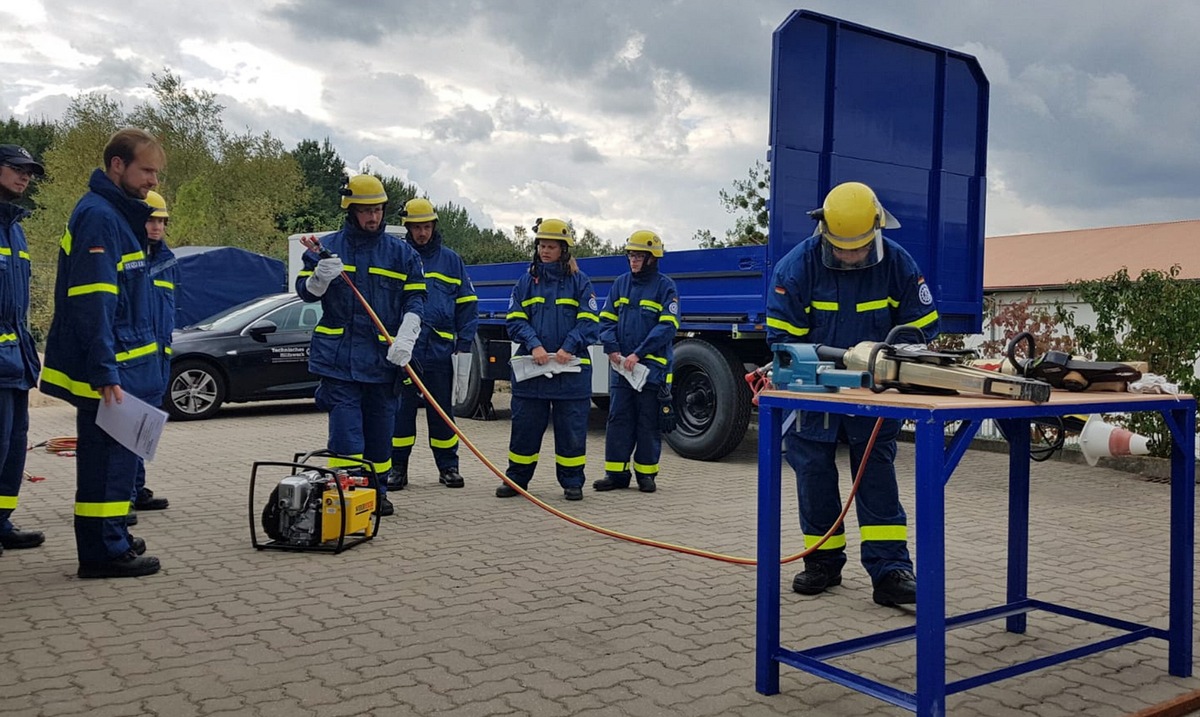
(852, 216)
(363, 189)
(417, 211)
(554, 229)
(645, 240)
(156, 201)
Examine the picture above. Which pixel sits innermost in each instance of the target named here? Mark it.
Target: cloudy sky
(621, 114)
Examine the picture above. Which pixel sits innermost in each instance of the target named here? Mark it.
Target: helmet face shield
(863, 257)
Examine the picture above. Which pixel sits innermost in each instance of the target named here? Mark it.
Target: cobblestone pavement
(466, 604)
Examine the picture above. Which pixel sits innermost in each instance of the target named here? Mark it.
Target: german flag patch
(95, 250)
(780, 290)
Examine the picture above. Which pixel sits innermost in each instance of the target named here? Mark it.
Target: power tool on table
(907, 367)
(1061, 370)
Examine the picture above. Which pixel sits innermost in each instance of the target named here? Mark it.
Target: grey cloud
(392, 98)
(511, 115)
(584, 153)
(465, 124)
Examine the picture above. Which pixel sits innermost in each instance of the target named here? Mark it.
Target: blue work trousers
(14, 433)
(632, 430)
(530, 416)
(442, 439)
(104, 476)
(881, 518)
(361, 417)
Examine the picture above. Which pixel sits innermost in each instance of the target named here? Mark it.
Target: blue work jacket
(19, 364)
(451, 307)
(103, 331)
(346, 344)
(811, 303)
(554, 310)
(641, 316)
(164, 273)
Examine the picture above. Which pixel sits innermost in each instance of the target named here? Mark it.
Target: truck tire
(479, 391)
(712, 401)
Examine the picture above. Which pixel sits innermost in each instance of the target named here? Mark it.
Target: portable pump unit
(316, 508)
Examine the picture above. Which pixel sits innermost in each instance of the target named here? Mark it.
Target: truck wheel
(479, 391)
(712, 401)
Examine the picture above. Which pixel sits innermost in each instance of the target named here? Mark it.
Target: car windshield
(237, 316)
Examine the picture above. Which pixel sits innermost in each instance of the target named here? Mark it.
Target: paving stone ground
(468, 605)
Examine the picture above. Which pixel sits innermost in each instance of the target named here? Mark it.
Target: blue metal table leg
(1017, 431)
(1183, 539)
(931, 569)
(767, 629)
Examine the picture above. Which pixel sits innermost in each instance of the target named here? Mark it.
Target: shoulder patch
(592, 302)
(924, 294)
(673, 307)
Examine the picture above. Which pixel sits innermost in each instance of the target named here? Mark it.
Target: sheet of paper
(133, 423)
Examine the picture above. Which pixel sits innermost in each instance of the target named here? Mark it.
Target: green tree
(474, 245)
(33, 136)
(1154, 318)
(324, 175)
(748, 200)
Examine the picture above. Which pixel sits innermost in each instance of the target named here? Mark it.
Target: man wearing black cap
(19, 365)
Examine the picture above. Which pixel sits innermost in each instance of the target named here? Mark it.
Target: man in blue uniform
(846, 284)
(448, 327)
(356, 366)
(19, 363)
(102, 345)
(637, 326)
(552, 316)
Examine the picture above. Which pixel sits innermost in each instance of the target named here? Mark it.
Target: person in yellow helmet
(451, 317)
(357, 368)
(846, 284)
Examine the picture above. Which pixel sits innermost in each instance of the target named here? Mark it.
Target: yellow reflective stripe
(615, 466)
(168, 351)
(445, 335)
(131, 256)
(585, 361)
(345, 462)
(650, 304)
(328, 330)
(587, 315)
(534, 300)
(523, 460)
(450, 442)
(620, 302)
(926, 320)
(568, 302)
(382, 467)
(5, 338)
(608, 315)
(381, 338)
(570, 461)
(659, 359)
(644, 468)
(825, 305)
(785, 326)
(304, 272)
(23, 254)
(517, 315)
(443, 277)
(5, 251)
(91, 289)
(65, 242)
(151, 348)
(883, 532)
(63, 381)
(466, 299)
(351, 268)
(835, 542)
(670, 319)
(8, 502)
(403, 441)
(872, 305)
(415, 286)
(164, 284)
(386, 272)
(114, 509)
(670, 378)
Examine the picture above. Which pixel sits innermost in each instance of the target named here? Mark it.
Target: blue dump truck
(848, 103)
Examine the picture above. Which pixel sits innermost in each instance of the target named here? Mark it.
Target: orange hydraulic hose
(315, 246)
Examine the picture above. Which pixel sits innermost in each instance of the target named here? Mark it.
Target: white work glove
(326, 271)
(400, 352)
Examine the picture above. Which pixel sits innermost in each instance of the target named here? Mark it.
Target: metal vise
(797, 367)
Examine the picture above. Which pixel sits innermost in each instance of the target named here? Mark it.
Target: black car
(255, 351)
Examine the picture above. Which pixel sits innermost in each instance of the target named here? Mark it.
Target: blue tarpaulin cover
(213, 278)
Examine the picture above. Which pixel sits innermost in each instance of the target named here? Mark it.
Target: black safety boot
(386, 507)
(146, 501)
(397, 479)
(816, 578)
(129, 565)
(506, 491)
(21, 539)
(646, 483)
(451, 479)
(573, 493)
(137, 545)
(131, 518)
(612, 481)
(899, 587)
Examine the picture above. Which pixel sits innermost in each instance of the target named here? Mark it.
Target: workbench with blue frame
(936, 460)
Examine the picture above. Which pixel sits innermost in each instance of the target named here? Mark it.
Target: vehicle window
(236, 316)
(287, 318)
